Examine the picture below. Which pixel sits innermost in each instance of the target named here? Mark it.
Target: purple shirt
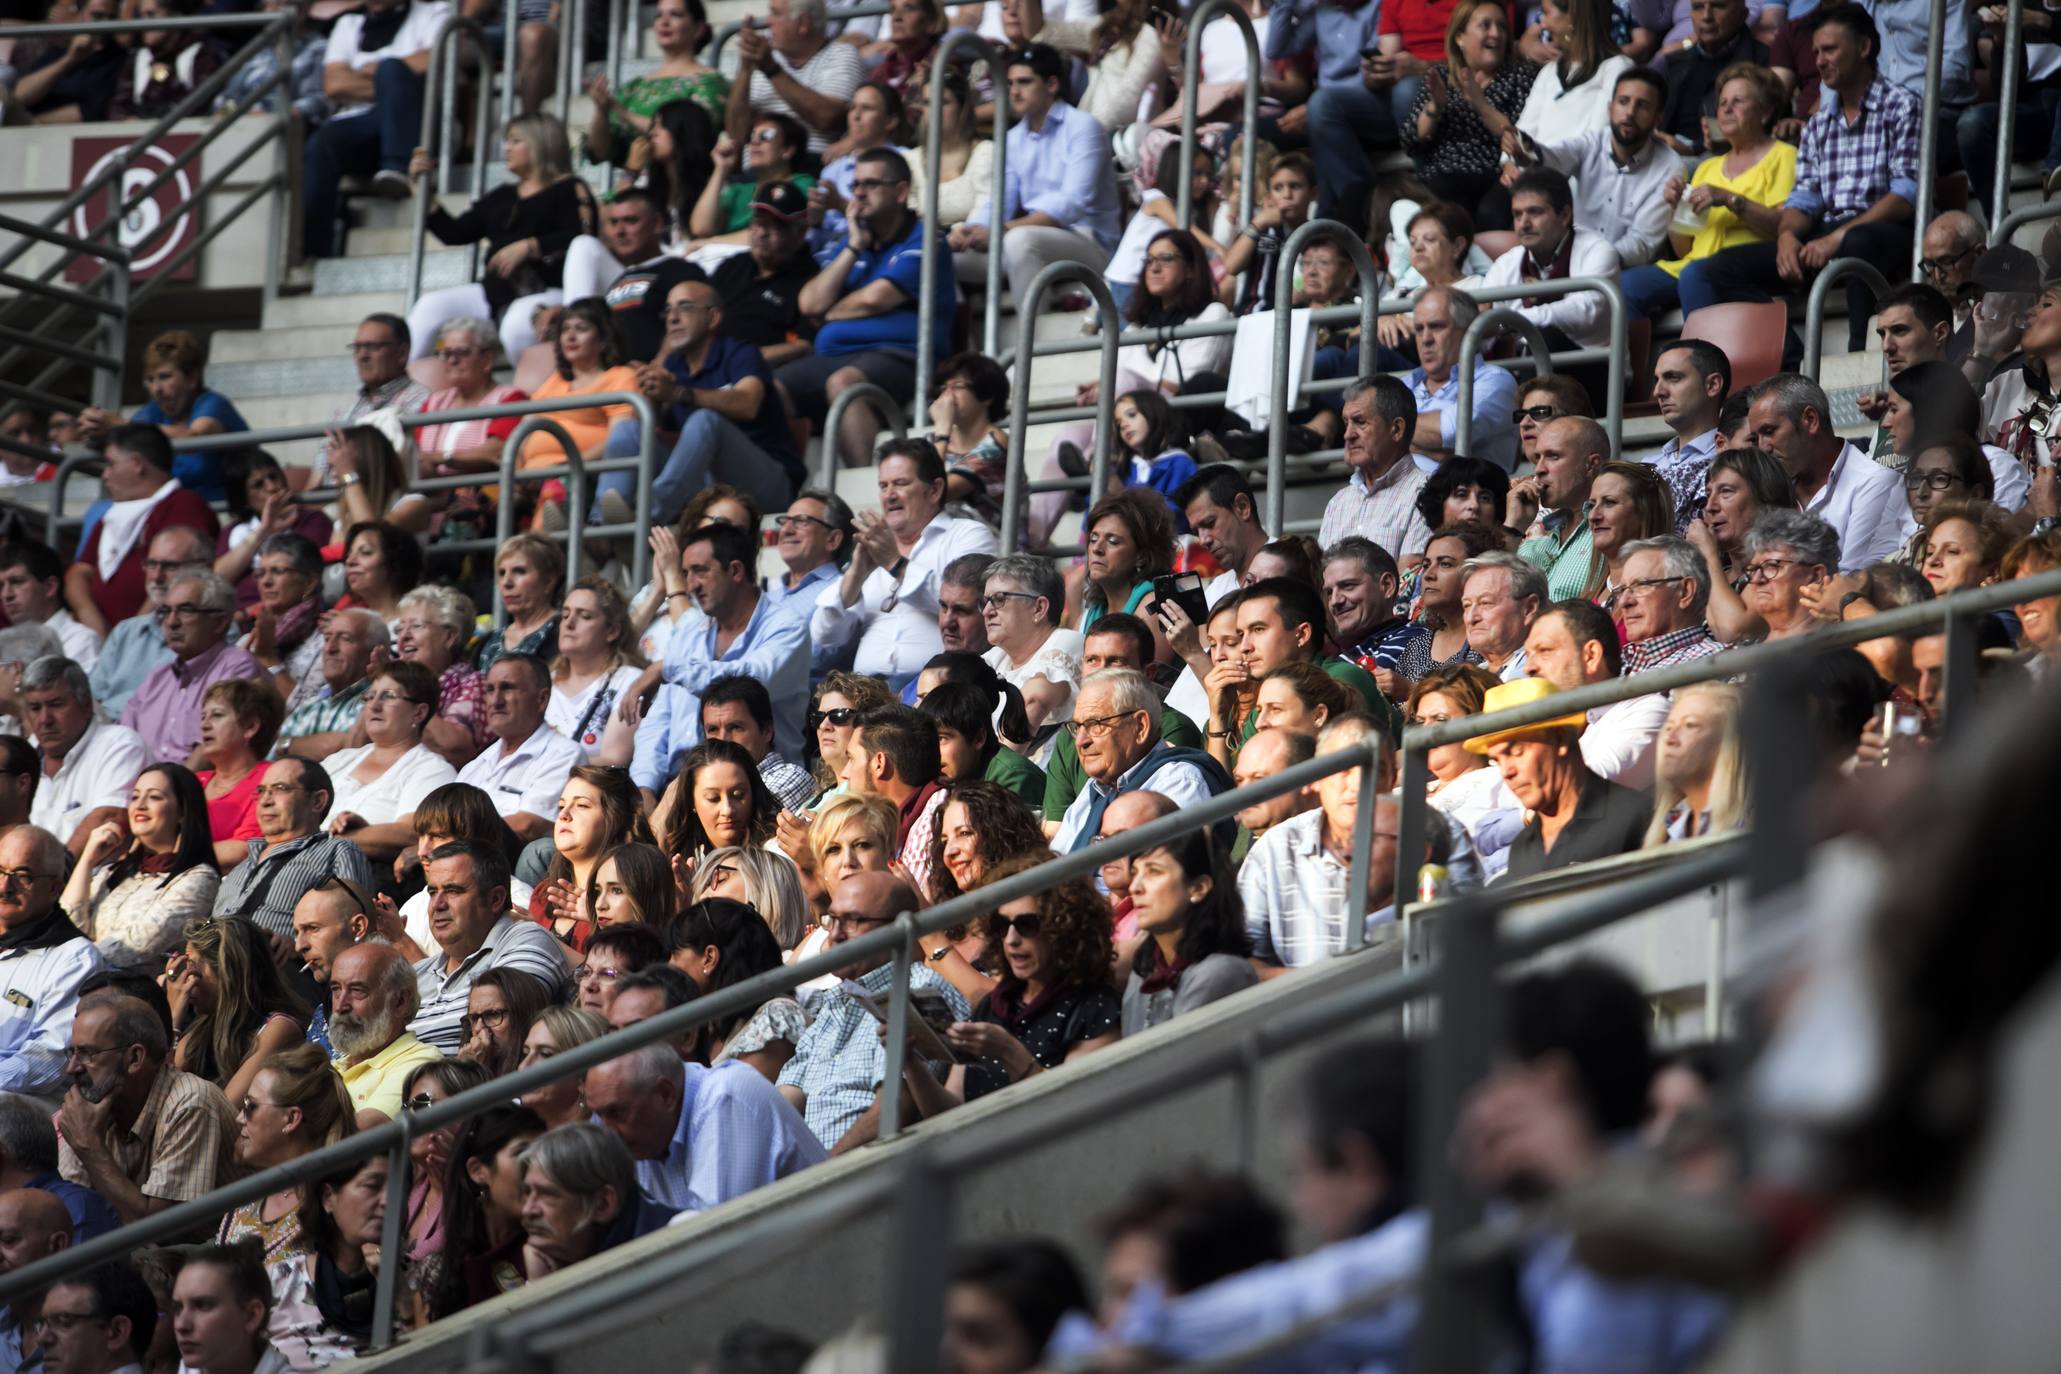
(166, 709)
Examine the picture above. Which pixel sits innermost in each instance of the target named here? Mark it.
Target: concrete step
(389, 272)
(346, 307)
(257, 345)
(286, 377)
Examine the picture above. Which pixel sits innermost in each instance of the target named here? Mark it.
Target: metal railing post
(921, 1262)
(934, 239)
(1814, 308)
(897, 1028)
(867, 392)
(1928, 141)
(511, 57)
(79, 460)
(1191, 66)
(1013, 479)
(1276, 513)
(1963, 669)
(391, 1237)
(1486, 323)
(2004, 226)
(280, 226)
(1358, 876)
(613, 50)
(439, 119)
(2007, 113)
(1413, 823)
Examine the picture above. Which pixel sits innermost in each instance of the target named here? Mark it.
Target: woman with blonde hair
(529, 572)
(556, 1030)
(597, 662)
(851, 834)
(296, 1103)
(767, 882)
(1699, 767)
(1628, 501)
(528, 224)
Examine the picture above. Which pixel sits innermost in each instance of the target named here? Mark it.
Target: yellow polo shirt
(376, 1084)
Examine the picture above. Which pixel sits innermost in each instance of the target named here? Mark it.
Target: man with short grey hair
(786, 64)
(1439, 322)
(1500, 596)
(579, 1196)
(28, 1159)
(1116, 729)
(1379, 499)
(1661, 603)
(199, 611)
(137, 645)
(322, 725)
(1862, 500)
(88, 764)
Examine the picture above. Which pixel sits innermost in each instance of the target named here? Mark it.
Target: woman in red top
(239, 719)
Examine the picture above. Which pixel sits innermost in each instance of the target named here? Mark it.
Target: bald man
(33, 1225)
(327, 920)
(1268, 752)
(839, 1063)
(1127, 811)
(372, 998)
(717, 394)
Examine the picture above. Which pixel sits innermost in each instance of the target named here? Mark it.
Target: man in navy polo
(866, 296)
(718, 395)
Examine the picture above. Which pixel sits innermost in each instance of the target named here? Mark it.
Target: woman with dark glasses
(1053, 1002)
(833, 719)
(431, 1203)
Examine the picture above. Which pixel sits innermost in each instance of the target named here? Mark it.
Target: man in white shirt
(43, 960)
(887, 598)
(88, 764)
(1859, 498)
(1574, 644)
(31, 593)
(1691, 379)
(794, 69)
(527, 765)
(1620, 170)
(1550, 248)
(373, 74)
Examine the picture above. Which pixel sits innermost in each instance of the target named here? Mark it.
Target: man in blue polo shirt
(720, 399)
(866, 297)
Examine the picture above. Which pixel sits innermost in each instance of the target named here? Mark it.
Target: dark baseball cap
(2009, 269)
(781, 200)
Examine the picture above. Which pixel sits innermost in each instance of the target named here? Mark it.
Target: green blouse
(738, 196)
(1019, 775)
(647, 95)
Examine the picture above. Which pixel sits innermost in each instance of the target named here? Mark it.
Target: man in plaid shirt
(1665, 592)
(1856, 184)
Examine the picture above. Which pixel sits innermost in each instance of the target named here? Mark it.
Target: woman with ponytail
(968, 702)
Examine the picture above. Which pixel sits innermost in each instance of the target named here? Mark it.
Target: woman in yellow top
(592, 358)
(1738, 194)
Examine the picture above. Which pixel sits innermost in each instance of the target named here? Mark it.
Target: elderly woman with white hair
(1032, 652)
(436, 623)
(467, 347)
(1785, 553)
(21, 645)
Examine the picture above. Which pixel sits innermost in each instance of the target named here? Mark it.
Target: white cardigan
(1553, 113)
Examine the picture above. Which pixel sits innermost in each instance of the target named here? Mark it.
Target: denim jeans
(1339, 116)
(381, 139)
(710, 449)
(1649, 292)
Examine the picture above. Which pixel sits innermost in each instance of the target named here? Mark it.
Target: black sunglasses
(1540, 413)
(1027, 926)
(840, 716)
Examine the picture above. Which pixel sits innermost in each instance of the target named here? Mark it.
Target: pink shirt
(234, 814)
(166, 709)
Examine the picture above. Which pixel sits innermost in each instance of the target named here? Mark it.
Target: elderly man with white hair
(1662, 602)
(436, 622)
(786, 64)
(700, 1135)
(1500, 596)
(373, 996)
(324, 723)
(1116, 729)
(43, 960)
(199, 612)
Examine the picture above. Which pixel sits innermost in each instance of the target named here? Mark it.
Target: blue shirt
(729, 362)
(1339, 35)
(774, 648)
(318, 1029)
(1061, 170)
(800, 601)
(901, 263)
(826, 238)
(91, 1214)
(133, 649)
(736, 1133)
(200, 471)
(840, 1061)
(1494, 439)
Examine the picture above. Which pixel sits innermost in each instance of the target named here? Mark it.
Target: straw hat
(1523, 692)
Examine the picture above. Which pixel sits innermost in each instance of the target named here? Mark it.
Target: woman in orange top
(591, 358)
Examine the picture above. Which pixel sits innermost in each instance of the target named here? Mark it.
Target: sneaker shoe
(392, 184)
(551, 517)
(1072, 461)
(615, 508)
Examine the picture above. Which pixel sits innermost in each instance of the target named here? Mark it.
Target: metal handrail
(933, 167)
(1928, 141)
(2009, 224)
(2012, 58)
(1613, 296)
(1013, 474)
(871, 392)
(834, 15)
(443, 85)
(1956, 614)
(1814, 309)
(1191, 70)
(1499, 320)
(1284, 321)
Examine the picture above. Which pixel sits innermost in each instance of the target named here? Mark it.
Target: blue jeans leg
(397, 105)
(1339, 117)
(1648, 291)
(623, 437)
(1401, 97)
(340, 148)
(711, 449)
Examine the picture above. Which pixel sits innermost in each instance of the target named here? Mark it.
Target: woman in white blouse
(1124, 57)
(133, 894)
(965, 164)
(379, 785)
(1572, 96)
(597, 663)
(1025, 600)
(1463, 788)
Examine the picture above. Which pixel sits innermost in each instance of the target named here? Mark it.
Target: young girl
(1152, 442)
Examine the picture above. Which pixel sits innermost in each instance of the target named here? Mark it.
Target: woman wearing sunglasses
(1052, 1003)
(295, 1105)
(832, 721)
(426, 1225)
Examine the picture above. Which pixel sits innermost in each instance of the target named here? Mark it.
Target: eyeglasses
(1539, 413)
(88, 1053)
(62, 1322)
(396, 696)
(22, 877)
(250, 1106)
(1164, 259)
(686, 308)
(279, 789)
(458, 355)
(1027, 925)
(855, 924)
(494, 1017)
(1940, 266)
(1098, 726)
(581, 975)
(840, 716)
(874, 183)
(994, 601)
(1768, 569)
(781, 522)
(1931, 481)
(722, 871)
(187, 612)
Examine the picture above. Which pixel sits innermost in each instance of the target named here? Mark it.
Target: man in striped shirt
(474, 930)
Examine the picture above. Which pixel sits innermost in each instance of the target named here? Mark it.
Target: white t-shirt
(394, 793)
(98, 772)
(527, 780)
(417, 33)
(81, 645)
(582, 718)
(1127, 263)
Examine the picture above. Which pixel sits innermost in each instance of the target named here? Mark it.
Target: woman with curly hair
(968, 747)
(231, 1009)
(1052, 1004)
(833, 720)
(599, 810)
(1130, 539)
(981, 827)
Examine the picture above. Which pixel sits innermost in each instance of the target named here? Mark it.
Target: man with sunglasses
(199, 612)
(327, 921)
(43, 960)
(1861, 500)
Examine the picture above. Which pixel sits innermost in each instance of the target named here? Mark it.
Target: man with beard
(372, 997)
(1620, 170)
(135, 1130)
